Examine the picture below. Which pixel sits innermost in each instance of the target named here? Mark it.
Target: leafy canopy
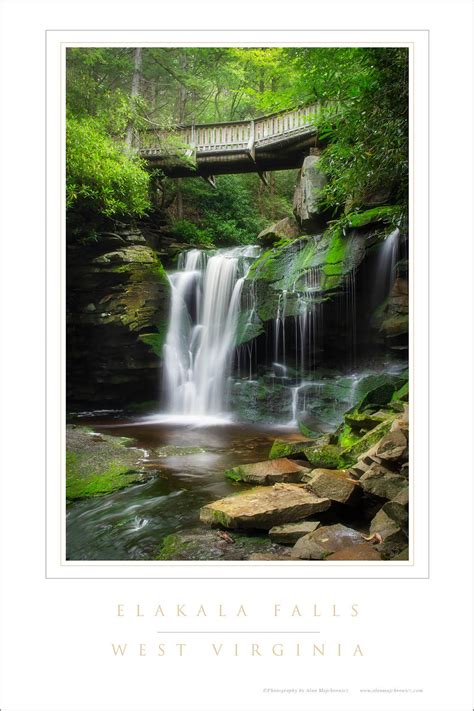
(100, 175)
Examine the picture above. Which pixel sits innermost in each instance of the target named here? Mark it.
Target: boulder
(391, 524)
(264, 507)
(286, 228)
(116, 320)
(362, 551)
(289, 533)
(272, 471)
(403, 555)
(307, 198)
(324, 541)
(288, 448)
(382, 482)
(402, 498)
(334, 485)
(393, 447)
(325, 456)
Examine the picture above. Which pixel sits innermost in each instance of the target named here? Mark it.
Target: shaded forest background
(115, 93)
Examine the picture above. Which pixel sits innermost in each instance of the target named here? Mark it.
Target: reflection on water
(131, 524)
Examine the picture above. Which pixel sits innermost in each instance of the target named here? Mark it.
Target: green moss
(384, 213)
(350, 454)
(326, 456)
(307, 431)
(156, 341)
(347, 437)
(402, 393)
(219, 518)
(115, 476)
(249, 542)
(336, 254)
(363, 420)
(282, 448)
(381, 394)
(172, 547)
(234, 474)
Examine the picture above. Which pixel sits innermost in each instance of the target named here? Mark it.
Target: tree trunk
(134, 92)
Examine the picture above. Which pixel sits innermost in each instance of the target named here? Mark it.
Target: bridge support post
(211, 180)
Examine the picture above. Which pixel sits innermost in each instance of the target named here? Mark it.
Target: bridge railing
(234, 135)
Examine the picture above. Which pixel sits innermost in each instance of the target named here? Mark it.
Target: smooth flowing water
(385, 268)
(199, 348)
(131, 524)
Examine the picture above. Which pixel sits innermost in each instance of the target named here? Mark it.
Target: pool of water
(130, 524)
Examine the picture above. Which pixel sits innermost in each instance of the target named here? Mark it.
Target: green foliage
(225, 215)
(100, 175)
(365, 123)
(94, 483)
(189, 232)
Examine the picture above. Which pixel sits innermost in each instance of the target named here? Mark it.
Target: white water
(385, 269)
(200, 343)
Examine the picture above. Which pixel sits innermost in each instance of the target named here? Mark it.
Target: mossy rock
(324, 457)
(96, 483)
(365, 420)
(401, 394)
(100, 464)
(347, 437)
(381, 394)
(350, 454)
(283, 448)
(395, 325)
(384, 213)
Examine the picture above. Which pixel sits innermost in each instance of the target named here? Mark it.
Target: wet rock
(402, 498)
(272, 471)
(286, 228)
(350, 454)
(207, 544)
(393, 447)
(382, 482)
(403, 555)
(334, 485)
(270, 556)
(98, 464)
(307, 198)
(326, 456)
(264, 507)
(362, 551)
(289, 533)
(117, 314)
(287, 448)
(391, 524)
(324, 541)
(392, 318)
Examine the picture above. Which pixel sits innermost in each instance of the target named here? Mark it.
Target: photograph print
(237, 304)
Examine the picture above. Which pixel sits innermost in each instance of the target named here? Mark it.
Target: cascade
(385, 268)
(199, 347)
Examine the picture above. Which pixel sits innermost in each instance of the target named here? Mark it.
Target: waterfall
(199, 347)
(308, 324)
(385, 268)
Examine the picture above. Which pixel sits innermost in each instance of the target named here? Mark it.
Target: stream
(131, 524)
(226, 418)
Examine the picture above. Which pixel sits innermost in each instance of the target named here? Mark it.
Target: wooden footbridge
(274, 142)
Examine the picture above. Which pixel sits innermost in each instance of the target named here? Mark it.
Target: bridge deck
(270, 142)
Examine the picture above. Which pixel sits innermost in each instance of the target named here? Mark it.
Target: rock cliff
(117, 311)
